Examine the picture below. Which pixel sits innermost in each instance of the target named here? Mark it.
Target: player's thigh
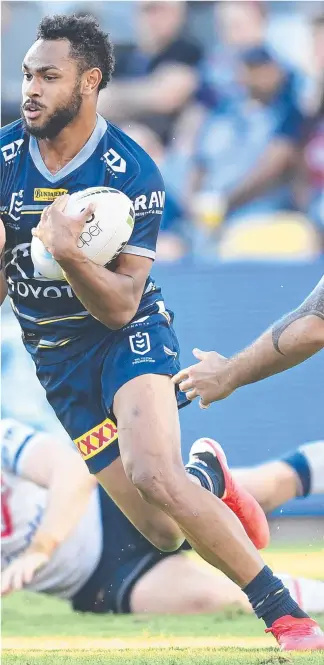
(149, 430)
(136, 384)
(155, 525)
(73, 389)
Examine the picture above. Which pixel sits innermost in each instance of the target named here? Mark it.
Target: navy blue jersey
(51, 316)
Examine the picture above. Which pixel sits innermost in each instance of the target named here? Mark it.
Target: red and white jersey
(22, 508)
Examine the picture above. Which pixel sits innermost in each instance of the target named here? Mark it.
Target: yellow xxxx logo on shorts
(96, 439)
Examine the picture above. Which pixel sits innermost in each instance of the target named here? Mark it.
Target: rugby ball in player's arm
(104, 235)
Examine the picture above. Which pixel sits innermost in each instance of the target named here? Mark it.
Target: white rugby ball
(104, 234)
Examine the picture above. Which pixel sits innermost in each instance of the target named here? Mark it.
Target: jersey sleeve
(291, 125)
(148, 195)
(16, 439)
(11, 145)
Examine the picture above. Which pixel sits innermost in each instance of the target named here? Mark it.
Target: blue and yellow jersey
(50, 315)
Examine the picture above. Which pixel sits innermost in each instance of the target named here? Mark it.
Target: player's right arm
(290, 341)
(52, 464)
(3, 282)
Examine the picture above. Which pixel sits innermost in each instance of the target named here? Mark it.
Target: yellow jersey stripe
(65, 318)
(32, 212)
(55, 346)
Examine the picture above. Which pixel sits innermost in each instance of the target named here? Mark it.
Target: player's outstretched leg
(297, 474)
(149, 440)
(206, 459)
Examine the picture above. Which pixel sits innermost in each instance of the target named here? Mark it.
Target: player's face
(51, 96)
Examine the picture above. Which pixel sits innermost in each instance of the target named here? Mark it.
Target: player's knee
(164, 535)
(159, 484)
(148, 483)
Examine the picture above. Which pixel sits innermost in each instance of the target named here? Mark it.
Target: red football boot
(235, 497)
(297, 634)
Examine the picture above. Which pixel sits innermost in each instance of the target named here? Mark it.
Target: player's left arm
(54, 465)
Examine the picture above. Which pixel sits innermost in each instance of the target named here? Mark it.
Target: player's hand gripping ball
(105, 233)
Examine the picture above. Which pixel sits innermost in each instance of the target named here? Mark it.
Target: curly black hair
(90, 46)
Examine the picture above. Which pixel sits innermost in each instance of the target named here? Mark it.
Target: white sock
(314, 453)
(309, 594)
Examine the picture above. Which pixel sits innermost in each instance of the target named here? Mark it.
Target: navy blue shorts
(81, 389)
(126, 557)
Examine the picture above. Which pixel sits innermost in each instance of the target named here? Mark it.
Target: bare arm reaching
(290, 341)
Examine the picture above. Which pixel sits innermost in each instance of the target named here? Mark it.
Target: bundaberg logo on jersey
(43, 194)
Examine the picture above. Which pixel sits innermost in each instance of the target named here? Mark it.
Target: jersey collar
(77, 161)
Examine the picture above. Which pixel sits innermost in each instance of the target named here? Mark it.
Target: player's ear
(91, 81)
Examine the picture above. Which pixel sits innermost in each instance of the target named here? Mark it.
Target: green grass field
(37, 630)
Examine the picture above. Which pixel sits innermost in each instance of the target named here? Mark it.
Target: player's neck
(58, 152)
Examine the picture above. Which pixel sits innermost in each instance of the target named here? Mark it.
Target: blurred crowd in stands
(228, 99)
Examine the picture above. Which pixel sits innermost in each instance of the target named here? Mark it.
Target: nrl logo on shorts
(140, 343)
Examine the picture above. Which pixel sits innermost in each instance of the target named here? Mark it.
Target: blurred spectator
(114, 16)
(171, 245)
(248, 145)
(314, 170)
(310, 172)
(18, 28)
(242, 25)
(318, 40)
(318, 50)
(155, 80)
(314, 149)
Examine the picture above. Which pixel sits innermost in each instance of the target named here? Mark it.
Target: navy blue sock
(270, 599)
(209, 478)
(300, 464)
